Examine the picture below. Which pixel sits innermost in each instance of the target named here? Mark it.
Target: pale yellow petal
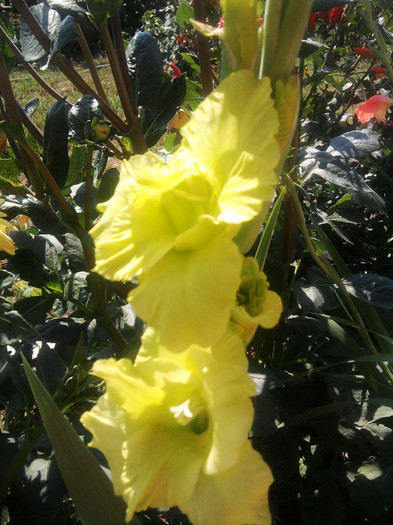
(188, 296)
(236, 496)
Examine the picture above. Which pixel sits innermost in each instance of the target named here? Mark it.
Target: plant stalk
(90, 62)
(121, 55)
(203, 49)
(13, 120)
(134, 129)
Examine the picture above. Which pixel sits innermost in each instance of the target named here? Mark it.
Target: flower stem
(121, 55)
(203, 49)
(15, 125)
(133, 127)
(90, 62)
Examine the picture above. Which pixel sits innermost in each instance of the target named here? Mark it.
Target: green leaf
(85, 109)
(45, 490)
(56, 141)
(268, 231)
(184, 13)
(89, 487)
(371, 288)
(154, 121)
(51, 369)
(49, 19)
(108, 184)
(76, 172)
(146, 72)
(101, 10)
(355, 144)
(64, 35)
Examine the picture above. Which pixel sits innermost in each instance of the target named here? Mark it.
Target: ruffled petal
(187, 297)
(235, 496)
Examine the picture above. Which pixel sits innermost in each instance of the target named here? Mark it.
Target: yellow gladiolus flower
(6, 243)
(172, 225)
(256, 304)
(174, 428)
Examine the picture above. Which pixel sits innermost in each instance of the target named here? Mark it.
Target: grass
(26, 88)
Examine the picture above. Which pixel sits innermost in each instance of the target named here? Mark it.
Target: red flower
(379, 71)
(335, 15)
(176, 71)
(365, 51)
(312, 21)
(374, 107)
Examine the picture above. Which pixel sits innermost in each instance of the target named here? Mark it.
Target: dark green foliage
(55, 153)
(158, 96)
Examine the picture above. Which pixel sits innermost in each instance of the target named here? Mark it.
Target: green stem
(271, 31)
(98, 289)
(289, 212)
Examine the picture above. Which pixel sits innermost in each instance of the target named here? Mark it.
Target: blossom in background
(364, 51)
(374, 107)
(6, 243)
(176, 73)
(255, 304)
(334, 16)
(174, 429)
(379, 71)
(172, 225)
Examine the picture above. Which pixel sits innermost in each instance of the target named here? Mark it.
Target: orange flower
(379, 71)
(374, 107)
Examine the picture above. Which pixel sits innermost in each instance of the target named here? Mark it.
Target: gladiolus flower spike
(172, 225)
(374, 107)
(174, 428)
